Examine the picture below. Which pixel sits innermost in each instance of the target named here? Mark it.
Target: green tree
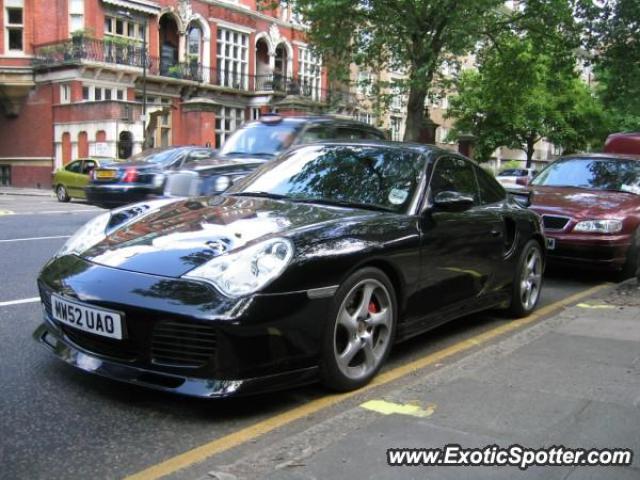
(413, 35)
(613, 28)
(527, 87)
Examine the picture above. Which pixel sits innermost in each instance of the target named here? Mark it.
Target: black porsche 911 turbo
(310, 268)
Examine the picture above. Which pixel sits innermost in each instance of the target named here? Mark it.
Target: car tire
(527, 282)
(631, 267)
(61, 194)
(360, 331)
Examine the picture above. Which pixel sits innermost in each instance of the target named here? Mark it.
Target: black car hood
(178, 237)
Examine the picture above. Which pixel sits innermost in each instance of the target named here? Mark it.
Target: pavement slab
(572, 380)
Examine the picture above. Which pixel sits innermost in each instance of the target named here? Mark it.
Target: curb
(28, 194)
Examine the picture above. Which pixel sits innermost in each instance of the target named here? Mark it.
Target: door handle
(496, 233)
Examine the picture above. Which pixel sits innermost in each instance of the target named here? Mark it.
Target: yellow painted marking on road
(6, 212)
(595, 307)
(263, 427)
(389, 408)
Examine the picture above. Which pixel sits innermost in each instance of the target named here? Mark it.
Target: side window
(490, 190)
(372, 135)
(453, 175)
(315, 134)
(196, 157)
(88, 166)
(349, 133)
(74, 167)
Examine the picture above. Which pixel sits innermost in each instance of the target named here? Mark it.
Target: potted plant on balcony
(175, 71)
(120, 50)
(193, 62)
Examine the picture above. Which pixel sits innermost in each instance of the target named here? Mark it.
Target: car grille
(120, 349)
(183, 344)
(552, 222)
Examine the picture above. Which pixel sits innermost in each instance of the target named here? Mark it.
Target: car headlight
(598, 226)
(248, 270)
(87, 236)
(221, 183)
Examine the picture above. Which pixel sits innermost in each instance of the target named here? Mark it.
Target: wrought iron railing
(78, 49)
(82, 49)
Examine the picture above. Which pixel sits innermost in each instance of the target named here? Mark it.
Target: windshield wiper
(276, 196)
(341, 203)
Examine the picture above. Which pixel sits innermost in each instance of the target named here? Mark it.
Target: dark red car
(590, 207)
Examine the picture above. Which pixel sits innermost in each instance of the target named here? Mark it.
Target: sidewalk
(35, 192)
(572, 380)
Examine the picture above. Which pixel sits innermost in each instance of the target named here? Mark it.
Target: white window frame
(228, 119)
(76, 11)
(138, 28)
(65, 93)
(395, 124)
(309, 72)
(365, 83)
(13, 5)
(113, 93)
(232, 57)
(366, 117)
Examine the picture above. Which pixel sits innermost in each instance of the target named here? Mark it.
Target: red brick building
(72, 82)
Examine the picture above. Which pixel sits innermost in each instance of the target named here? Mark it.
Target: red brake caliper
(373, 308)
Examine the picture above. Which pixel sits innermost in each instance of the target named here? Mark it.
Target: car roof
(414, 147)
(603, 156)
(319, 119)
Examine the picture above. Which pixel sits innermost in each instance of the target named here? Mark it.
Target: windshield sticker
(397, 196)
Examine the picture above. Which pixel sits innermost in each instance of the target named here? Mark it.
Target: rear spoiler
(521, 196)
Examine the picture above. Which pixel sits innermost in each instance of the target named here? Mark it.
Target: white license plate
(551, 243)
(88, 319)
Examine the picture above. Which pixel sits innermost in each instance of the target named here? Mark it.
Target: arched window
(125, 144)
(194, 43)
(83, 145)
(66, 148)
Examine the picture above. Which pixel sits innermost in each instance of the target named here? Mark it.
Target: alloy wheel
(531, 280)
(61, 193)
(363, 329)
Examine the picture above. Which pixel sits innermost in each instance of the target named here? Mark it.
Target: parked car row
(189, 170)
(313, 265)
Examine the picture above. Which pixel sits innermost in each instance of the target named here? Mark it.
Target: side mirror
(451, 200)
(520, 196)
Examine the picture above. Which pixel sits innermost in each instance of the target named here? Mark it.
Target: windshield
(598, 174)
(157, 155)
(358, 176)
(259, 139)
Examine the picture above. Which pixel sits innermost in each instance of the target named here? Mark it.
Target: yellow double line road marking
(263, 427)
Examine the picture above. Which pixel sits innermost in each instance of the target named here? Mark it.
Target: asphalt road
(56, 422)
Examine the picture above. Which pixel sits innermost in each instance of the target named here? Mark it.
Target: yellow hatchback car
(69, 181)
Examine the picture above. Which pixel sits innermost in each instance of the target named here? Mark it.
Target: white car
(510, 177)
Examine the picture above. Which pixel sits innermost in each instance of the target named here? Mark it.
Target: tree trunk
(530, 150)
(415, 113)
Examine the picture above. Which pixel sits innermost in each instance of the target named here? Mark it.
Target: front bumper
(608, 252)
(247, 345)
(52, 337)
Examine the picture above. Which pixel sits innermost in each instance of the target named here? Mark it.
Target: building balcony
(78, 50)
(123, 54)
